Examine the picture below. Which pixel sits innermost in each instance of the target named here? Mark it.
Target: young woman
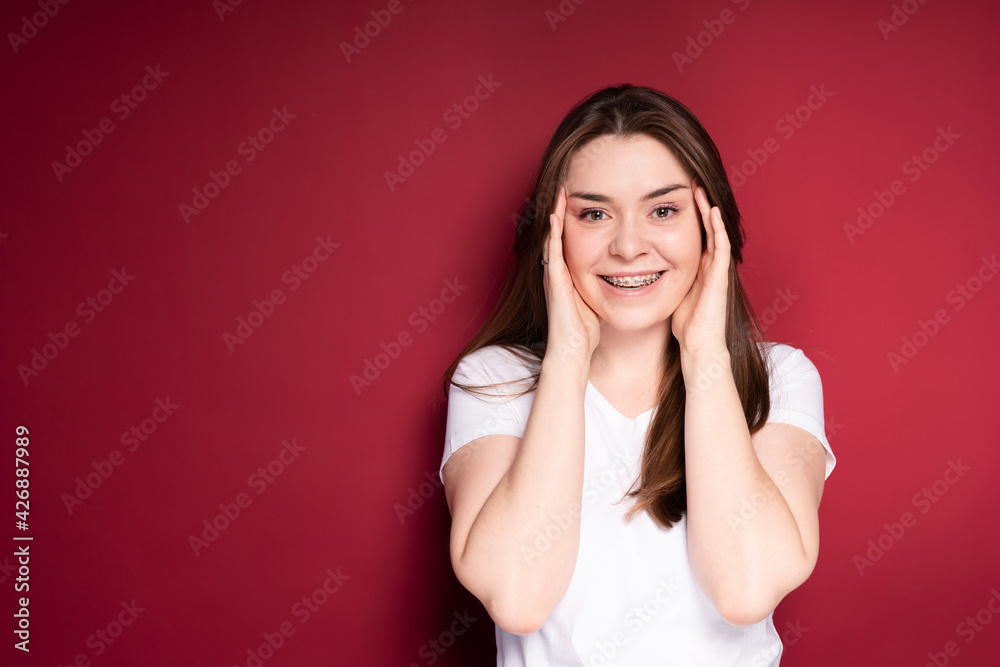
(633, 473)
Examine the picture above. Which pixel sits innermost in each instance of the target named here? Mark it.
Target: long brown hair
(519, 320)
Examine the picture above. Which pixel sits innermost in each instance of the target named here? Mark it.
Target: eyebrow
(667, 189)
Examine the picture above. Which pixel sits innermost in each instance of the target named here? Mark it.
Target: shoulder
(797, 393)
(495, 364)
(787, 363)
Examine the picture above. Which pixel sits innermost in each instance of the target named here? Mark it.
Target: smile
(633, 282)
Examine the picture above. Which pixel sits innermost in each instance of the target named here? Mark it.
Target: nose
(629, 238)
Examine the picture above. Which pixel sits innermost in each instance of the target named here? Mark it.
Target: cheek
(574, 251)
(693, 235)
(682, 243)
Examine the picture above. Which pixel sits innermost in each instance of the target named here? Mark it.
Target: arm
(504, 491)
(753, 528)
(752, 515)
(507, 495)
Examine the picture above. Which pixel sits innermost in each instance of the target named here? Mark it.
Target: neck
(632, 355)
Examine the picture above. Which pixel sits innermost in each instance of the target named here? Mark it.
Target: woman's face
(631, 212)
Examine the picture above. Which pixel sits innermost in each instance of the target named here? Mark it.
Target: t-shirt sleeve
(474, 415)
(797, 395)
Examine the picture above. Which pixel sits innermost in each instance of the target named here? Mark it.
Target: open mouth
(633, 282)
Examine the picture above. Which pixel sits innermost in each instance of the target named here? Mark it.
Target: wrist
(574, 369)
(705, 365)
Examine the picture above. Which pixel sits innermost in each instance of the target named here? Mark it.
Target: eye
(590, 212)
(663, 212)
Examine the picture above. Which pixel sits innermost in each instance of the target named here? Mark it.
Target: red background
(367, 451)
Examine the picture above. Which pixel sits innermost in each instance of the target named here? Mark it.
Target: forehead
(637, 160)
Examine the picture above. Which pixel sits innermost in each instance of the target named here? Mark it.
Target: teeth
(634, 281)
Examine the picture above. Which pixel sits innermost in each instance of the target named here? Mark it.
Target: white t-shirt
(633, 599)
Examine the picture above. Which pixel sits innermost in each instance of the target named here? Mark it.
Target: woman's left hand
(699, 322)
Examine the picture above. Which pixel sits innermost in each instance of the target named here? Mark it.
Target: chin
(634, 317)
(635, 324)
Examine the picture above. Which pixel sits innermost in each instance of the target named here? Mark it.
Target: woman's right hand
(574, 328)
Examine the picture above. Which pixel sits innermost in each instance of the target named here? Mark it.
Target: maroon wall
(216, 216)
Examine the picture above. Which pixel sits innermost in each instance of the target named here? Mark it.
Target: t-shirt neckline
(614, 410)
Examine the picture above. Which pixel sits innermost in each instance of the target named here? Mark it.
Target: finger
(696, 192)
(554, 232)
(556, 224)
(717, 227)
(722, 240)
(706, 219)
(720, 245)
(711, 229)
(702, 203)
(561, 213)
